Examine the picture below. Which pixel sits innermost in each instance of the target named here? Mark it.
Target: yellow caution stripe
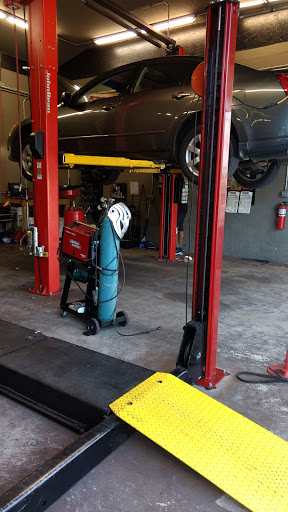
(240, 457)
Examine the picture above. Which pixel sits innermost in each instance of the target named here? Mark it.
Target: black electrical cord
(24, 346)
(270, 105)
(135, 333)
(119, 255)
(266, 379)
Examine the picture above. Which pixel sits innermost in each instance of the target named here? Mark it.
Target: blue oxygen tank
(108, 276)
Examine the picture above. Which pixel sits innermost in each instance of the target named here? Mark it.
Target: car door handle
(109, 106)
(180, 95)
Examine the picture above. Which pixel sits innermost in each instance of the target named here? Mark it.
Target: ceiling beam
(131, 22)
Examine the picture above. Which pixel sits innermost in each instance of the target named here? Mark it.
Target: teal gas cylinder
(108, 276)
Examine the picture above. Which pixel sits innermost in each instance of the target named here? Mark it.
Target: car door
(88, 126)
(147, 116)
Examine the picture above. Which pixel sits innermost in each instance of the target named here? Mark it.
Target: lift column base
(214, 380)
(44, 292)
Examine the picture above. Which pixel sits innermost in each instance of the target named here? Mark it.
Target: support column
(43, 62)
(198, 350)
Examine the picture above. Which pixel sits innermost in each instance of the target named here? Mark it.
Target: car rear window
(163, 75)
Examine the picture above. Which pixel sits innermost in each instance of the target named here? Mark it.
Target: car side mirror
(66, 98)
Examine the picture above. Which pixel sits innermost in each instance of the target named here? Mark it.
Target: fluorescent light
(18, 21)
(176, 22)
(129, 34)
(120, 36)
(251, 3)
(3, 15)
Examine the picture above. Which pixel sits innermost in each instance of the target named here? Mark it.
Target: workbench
(21, 201)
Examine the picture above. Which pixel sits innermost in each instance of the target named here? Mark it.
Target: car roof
(171, 58)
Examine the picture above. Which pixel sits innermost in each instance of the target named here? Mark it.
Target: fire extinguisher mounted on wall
(281, 215)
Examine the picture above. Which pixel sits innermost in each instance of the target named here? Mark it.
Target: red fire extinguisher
(281, 216)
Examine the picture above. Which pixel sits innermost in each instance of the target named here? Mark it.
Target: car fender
(187, 122)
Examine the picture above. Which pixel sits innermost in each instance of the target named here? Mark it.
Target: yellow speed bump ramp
(240, 457)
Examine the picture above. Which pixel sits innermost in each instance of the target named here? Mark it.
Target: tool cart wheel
(93, 326)
(63, 314)
(123, 321)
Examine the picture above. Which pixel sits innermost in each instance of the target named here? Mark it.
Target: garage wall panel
(248, 236)
(253, 32)
(10, 117)
(255, 236)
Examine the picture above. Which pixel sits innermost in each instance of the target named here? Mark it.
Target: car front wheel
(189, 155)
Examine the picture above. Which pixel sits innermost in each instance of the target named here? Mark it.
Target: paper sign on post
(245, 201)
(232, 201)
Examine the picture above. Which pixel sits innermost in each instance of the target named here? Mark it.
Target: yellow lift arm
(143, 166)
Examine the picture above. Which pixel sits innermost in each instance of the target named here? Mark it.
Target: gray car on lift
(148, 110)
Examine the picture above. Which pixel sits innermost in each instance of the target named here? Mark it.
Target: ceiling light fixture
(251, 4)
(129, 34)
(113, 38)
(176, 22)
(18, 21)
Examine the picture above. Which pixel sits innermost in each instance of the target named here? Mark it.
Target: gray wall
(255, 235)
(253, 32)
(10, 117)
(249, 236)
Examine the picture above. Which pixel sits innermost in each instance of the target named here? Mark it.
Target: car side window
(112, 86)
(161, 76)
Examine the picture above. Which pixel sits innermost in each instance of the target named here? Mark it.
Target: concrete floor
(140, 475)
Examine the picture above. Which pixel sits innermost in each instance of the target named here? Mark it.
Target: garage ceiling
(79, 25)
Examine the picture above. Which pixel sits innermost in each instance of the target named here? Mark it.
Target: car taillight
(283, 79)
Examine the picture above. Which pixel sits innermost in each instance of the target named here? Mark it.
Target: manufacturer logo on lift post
(48, 84)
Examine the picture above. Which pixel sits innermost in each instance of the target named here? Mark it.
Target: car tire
(257, 177)
(27, 160)
(189, 149)
(105, 176)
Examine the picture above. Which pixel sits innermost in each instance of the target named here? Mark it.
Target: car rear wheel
(27, 160)
(189, 155)
(257, 176)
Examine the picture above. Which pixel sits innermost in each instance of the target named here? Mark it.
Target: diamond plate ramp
(240, 457)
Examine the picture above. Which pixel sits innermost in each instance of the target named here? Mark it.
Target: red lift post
(43, 64)
(198, 351)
